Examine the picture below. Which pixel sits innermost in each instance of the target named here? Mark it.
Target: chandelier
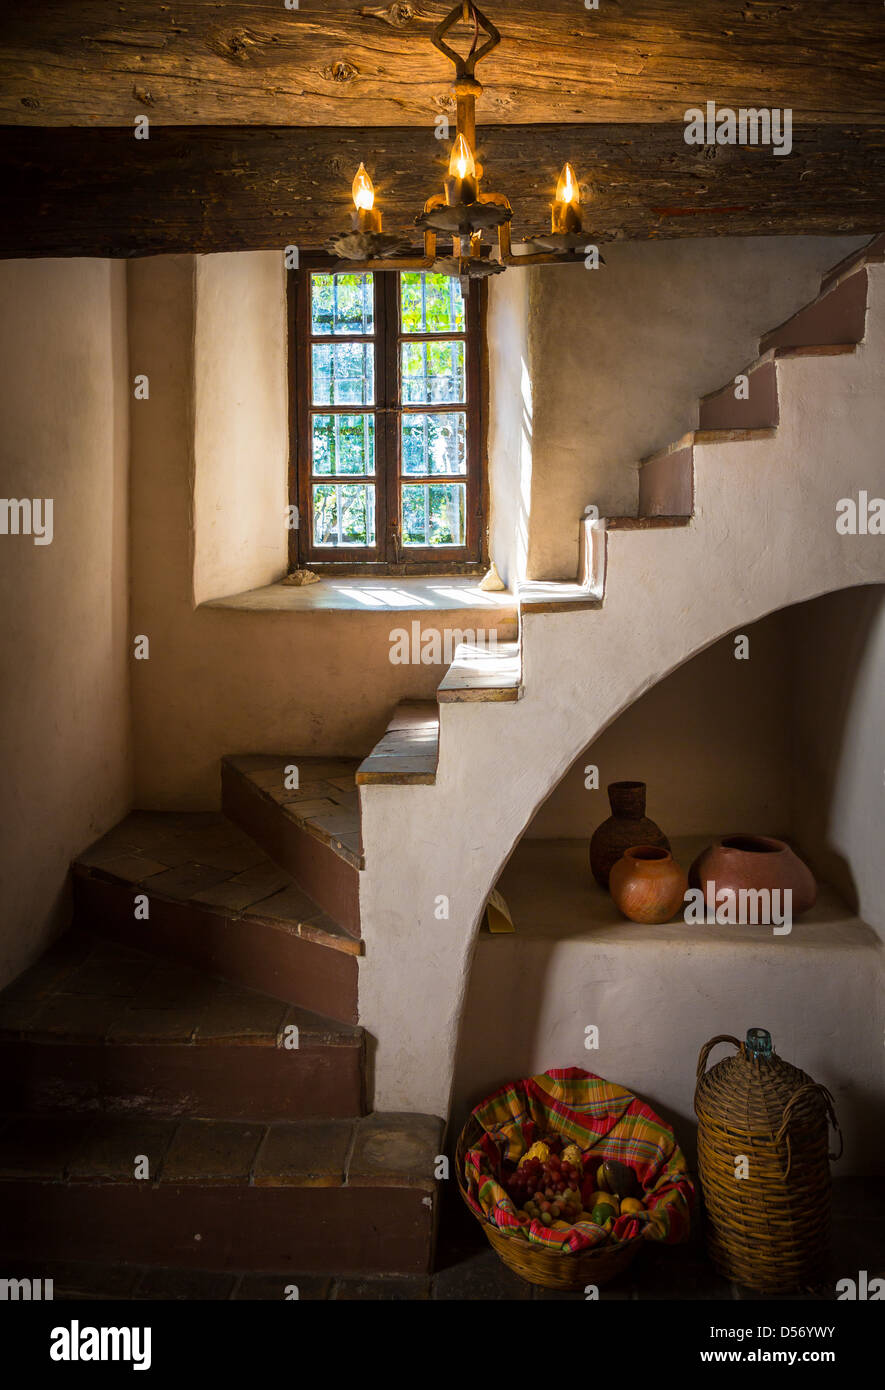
(463, 211)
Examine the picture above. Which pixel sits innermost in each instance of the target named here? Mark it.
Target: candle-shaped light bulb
(363, 189)
(461, 184)
(462, 164)
(366, 217)
(567, 202)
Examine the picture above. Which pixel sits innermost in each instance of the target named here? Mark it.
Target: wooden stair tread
(377, 1150)
(89, 990)
(645, 523)
(408, 752)
(203, 860)
(481, 672)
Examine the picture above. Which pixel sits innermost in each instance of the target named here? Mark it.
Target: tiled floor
(468, 1269)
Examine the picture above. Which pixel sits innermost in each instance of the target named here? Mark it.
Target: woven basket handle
(708, 1048)
(810, 1088)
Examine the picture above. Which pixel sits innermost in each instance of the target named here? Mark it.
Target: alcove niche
(788, 741)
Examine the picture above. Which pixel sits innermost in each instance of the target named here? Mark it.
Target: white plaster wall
(839, 739)
(621, 355)
(64, 653)
(241, 439)
(224, 681)
(510, 425)
(711, 741)
(763, 537)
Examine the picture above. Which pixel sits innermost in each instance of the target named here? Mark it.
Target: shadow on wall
(530, 990)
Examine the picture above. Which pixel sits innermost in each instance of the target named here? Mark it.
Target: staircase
(184, 1082)
(160, 1027)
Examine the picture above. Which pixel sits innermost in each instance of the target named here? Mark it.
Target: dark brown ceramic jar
(628, 825)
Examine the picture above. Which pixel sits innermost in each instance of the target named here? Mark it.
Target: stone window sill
(399, 594)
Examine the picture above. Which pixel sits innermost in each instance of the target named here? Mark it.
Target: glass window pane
(342, 304)
(343, 374)
(434, 513)
(343, 514)
(343, 443)
(435, 443)
(430, 303)
(433, 373)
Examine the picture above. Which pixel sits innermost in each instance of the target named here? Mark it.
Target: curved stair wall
(761, 536)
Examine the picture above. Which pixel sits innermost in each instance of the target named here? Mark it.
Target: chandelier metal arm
(464, 67)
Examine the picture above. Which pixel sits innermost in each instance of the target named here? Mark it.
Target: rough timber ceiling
(259, 115)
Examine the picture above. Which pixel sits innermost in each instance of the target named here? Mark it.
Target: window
(388, 454)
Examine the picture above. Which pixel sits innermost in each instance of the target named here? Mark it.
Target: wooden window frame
(388, 556)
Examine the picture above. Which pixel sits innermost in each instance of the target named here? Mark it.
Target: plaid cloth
(605, 1121)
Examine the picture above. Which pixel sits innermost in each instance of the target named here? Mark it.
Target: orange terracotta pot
(648, 885)
(753, 862)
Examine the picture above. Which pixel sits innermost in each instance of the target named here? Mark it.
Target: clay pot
(628, 825)
(647, 884)
(757, 862)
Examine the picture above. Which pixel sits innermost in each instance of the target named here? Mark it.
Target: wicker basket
(770, 1229)
(532, 1262)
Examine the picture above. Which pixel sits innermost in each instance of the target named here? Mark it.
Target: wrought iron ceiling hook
(465, 10)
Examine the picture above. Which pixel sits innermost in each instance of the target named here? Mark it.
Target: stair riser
(666, 485)
(759, 411)
(245, 950)
(318, 870)
(314, 1230)
(227, 1083)
(839, 317)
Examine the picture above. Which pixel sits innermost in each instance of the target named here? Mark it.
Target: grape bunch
(546, 1189)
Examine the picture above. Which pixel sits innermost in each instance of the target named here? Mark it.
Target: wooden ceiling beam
(353, 62)
(104, 193)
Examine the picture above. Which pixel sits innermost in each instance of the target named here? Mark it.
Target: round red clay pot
(757, 862)
(628, 825)
(647, 884)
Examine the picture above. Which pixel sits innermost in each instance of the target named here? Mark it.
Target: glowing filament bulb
(567, 187)
(462, 164)
(363, 190)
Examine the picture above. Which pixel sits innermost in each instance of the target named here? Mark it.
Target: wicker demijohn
(549, 1268)
(768, 1217)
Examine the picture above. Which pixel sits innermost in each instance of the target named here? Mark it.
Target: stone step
(218, 904)
(312, 831)
(408, 752)
(320, 1196)
(871, 254)
(567, 596)
(481, 672)
(759, 409)
(666, 478)
(838, 316)
(98, 1026)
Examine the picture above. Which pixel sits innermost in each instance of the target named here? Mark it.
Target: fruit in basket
(571, 1154)
(618, 1178)
(605, 1199)
(631, 1206)
(538, 1150)
(602, 1213)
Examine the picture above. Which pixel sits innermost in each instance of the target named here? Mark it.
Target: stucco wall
(621, 354)
(510, 423)
(241, 423)
(839, 739)
(220, 680)
(711, 741)
(64, 714)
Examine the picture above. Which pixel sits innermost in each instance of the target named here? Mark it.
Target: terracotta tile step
(311, 831)
(481, 672)
(322, 1196)
(838, 315)
(95, 1025)
(409, 750)
(282, 944)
